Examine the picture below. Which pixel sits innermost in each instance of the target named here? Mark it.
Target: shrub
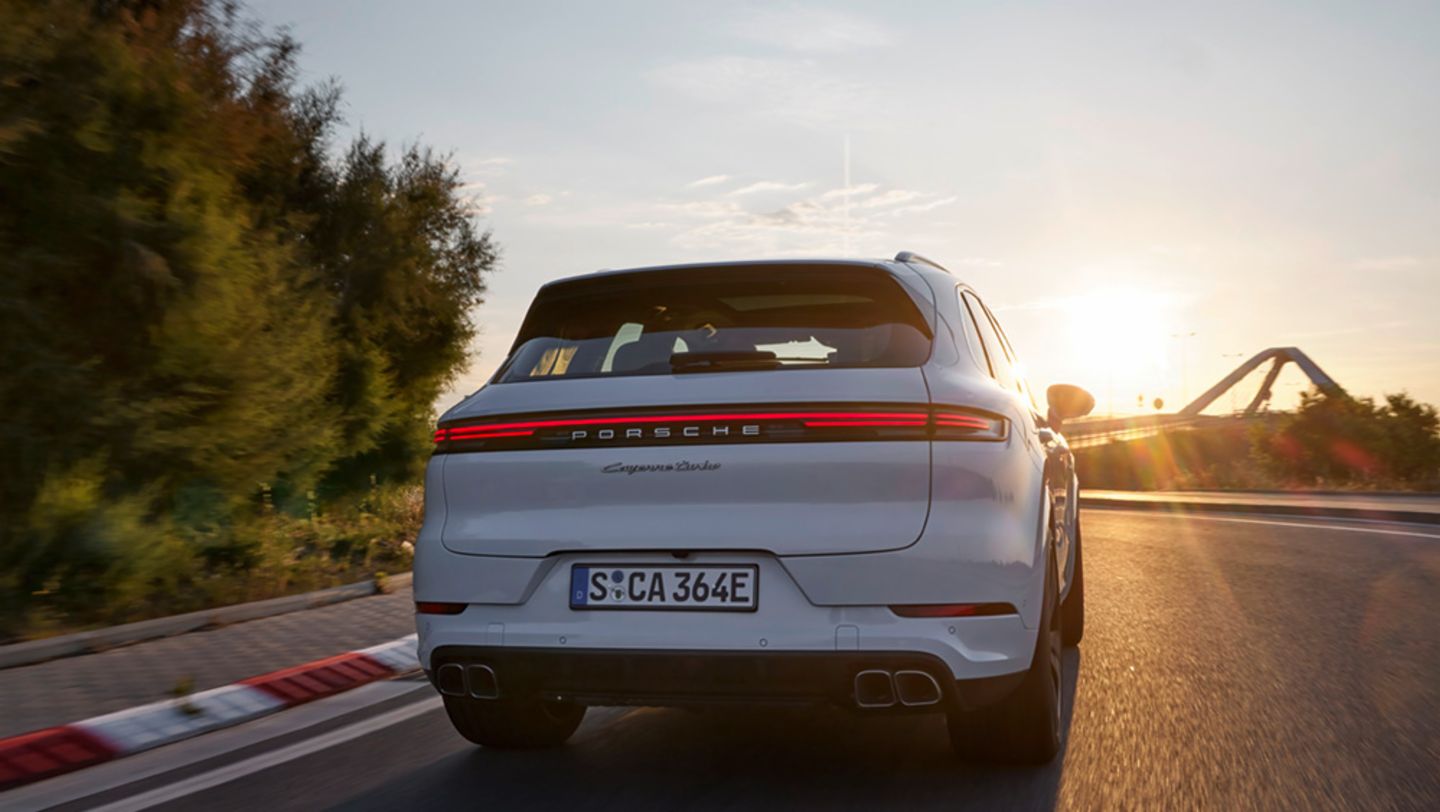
(1331, 441)
(1338, 440)
(198, 295)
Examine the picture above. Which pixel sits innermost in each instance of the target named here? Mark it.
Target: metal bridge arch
(1280, 356)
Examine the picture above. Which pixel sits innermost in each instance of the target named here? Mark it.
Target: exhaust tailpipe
(917, 688)
(482, 682)
(450, 679)
(874, 689)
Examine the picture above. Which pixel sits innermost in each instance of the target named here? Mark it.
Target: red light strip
(457, 434)
(962, 421)
(862, 423)
(677, 418)
(835, 419)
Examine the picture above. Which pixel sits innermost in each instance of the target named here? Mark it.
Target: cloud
(814, 30)
(853, 191)
(703, 208)
(475, 176)
(796, 90)
(476, 198)
(478, 205)
(789, 219)
(815, 224)
(890, 197)
(928, 205)
(539, 200)
(768, 186)
(488, 167)
(709, 180)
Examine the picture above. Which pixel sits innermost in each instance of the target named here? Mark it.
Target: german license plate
(710, 587)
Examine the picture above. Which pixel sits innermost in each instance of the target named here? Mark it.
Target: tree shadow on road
(648, 759)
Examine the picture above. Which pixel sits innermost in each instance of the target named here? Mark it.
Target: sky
(1145, 193)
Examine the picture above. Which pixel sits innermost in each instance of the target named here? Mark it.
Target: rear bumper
(647, 677)
(785, 622)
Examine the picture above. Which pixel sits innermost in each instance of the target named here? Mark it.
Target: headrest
(641, 355)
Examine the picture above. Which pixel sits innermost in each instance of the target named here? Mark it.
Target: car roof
(889, 265)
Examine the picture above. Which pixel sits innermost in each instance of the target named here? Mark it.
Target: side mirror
(1067, 403)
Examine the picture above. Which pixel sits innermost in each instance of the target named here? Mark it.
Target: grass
(157, 568)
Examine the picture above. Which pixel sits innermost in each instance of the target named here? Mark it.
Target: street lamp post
(1184, 366)
(1234, 405)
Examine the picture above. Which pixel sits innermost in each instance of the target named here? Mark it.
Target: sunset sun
(1122, 340)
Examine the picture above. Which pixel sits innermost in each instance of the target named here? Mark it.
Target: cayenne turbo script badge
(660, 468)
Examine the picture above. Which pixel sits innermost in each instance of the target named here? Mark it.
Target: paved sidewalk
(65, 690)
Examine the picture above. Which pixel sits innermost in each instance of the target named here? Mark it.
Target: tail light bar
(717, 425)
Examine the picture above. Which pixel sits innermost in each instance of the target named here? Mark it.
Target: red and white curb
(43, 753)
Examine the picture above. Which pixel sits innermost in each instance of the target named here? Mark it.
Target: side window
(972, 337)
(1021, 383)
(990, 340)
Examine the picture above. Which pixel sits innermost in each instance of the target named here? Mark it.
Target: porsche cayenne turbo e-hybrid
(790, 482)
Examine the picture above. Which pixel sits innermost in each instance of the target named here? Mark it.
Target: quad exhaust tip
(450, 679)
(916, 688)
(482, 682)
(476, 681)
(876, 688)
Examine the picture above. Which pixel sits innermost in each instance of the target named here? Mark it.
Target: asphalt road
(1229, 663)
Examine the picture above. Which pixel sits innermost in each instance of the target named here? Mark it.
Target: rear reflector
(700, 425)
(953, 610)
(435, 608)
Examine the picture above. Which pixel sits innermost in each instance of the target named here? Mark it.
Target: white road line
(254, 764)
(1315, 525)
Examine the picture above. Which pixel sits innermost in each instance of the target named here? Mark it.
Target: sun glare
(1123, 339)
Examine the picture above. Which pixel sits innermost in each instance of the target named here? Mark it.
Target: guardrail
(1412, 508)
(1090, 432)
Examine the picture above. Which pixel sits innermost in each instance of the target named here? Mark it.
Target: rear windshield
(718, 320)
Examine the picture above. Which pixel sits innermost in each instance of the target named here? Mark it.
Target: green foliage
(1344, 441)
(197, 297)
(1333, 441)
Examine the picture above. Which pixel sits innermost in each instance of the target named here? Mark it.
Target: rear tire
(513, 724)
(1072, 612)
(1024, 727)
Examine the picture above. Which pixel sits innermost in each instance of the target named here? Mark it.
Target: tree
(403, 303)
(1337, 439)
(196, 296)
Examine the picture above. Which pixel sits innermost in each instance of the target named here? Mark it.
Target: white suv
(785, 482)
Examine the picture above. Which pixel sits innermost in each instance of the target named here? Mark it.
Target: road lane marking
(263, 761)
(1307, 525)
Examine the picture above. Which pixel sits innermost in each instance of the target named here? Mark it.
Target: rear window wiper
(736, 359)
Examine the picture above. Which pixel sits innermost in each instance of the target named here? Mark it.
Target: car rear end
(715, 484)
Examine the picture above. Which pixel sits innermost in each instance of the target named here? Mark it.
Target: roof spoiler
(911, 256)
